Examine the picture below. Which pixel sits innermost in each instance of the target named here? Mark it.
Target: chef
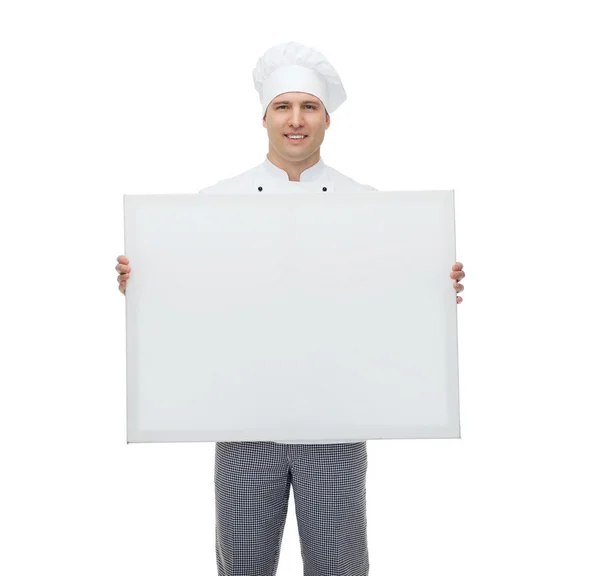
(298, 90)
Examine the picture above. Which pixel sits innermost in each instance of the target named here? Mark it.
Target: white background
(496, 100)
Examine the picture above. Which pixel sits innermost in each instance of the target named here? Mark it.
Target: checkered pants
(252, 489)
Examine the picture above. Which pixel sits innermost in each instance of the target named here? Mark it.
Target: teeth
(295, 137)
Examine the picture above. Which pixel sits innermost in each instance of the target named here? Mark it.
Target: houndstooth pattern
(252, 489)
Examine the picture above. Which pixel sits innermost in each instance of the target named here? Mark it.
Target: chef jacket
(268, 178)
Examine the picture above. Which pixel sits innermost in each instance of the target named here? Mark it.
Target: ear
(327, 120)
(265, 120)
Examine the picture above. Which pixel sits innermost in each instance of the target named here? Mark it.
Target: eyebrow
(288, 102)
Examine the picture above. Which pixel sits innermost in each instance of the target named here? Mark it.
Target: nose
(296, 119)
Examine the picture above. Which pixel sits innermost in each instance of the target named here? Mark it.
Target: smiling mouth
(304, 137)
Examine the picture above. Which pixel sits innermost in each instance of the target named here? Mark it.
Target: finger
(122, 288)
(458, 299)
(123, 259)
(457, 266)
(459, 287)
(122, 278)
(122, 269)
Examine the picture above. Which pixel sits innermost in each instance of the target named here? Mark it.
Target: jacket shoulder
(348, 183)
(240, 180)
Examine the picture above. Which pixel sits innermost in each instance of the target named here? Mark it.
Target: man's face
(300, 113)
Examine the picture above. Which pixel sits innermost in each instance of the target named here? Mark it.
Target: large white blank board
(291, 317)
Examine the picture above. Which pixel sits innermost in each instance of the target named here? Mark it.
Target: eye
(311, 106)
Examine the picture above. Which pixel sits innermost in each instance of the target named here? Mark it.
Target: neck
(293, 169)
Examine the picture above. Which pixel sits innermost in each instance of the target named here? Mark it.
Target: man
(299, 90)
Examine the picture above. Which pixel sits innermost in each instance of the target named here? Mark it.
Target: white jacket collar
(316, 172)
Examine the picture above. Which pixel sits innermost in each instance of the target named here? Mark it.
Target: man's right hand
(124, 271)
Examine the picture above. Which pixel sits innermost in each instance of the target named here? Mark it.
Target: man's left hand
(457, 274)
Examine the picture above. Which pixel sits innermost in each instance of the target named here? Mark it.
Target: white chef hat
(292, 67)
